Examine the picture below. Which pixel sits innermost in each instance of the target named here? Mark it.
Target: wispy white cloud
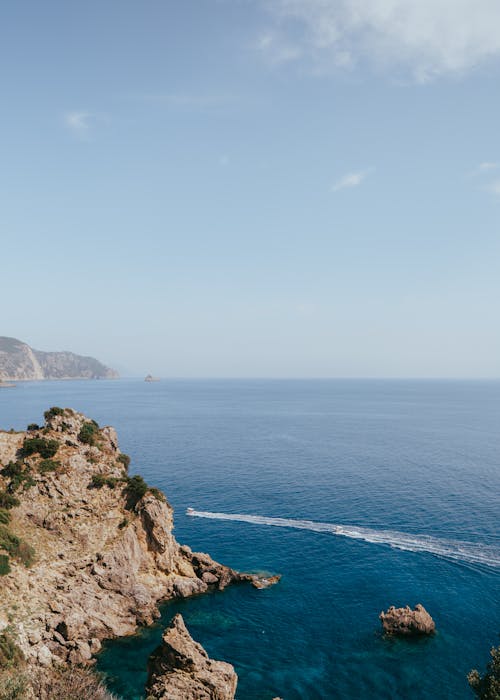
(78, 123)
(425, 39)
(350, 180)
(487, 167)
(494, 187)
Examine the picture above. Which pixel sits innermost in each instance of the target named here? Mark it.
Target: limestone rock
(102, 565)
(180, 669)
(406, 622)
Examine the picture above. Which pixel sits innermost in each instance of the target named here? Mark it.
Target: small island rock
(406, 622)
(180, 669)
(265, 581)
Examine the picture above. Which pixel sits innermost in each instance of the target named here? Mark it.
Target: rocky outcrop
(104, 552)
(261, 582)
(20, 362)
(180, 669)
(405, 622)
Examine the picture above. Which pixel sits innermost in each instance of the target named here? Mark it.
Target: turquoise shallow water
(418, 459)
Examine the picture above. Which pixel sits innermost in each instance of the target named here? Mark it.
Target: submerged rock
(405, 622)
(265, 581)
(180, 669)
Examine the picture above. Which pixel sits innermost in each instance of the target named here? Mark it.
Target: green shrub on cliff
(33, 426)
(99, 480)
(4, 565)
(159, 495)
(18, 475)
(45, 448)
(135, 489)
(48, 465)
(13, 683)
(487, 687)
(89, 433)
(10, 654)
(8, 501)
(4, 516)
(124, 459)
(16, 547)
(53, 412)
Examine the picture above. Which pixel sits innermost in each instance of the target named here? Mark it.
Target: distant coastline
(19, 362)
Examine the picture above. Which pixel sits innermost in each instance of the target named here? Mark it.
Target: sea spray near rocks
(454, 550)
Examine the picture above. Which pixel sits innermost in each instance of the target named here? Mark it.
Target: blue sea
(396, 487)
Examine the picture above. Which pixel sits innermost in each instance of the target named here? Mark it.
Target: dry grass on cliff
(69, 683)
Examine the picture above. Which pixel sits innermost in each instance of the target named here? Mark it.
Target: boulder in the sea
(265, 581)
(406, 622)
(180, 669)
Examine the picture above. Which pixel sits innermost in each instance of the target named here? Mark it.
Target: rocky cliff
(20, 362)
(86, 551)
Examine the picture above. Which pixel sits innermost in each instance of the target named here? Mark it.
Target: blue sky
(250, 188)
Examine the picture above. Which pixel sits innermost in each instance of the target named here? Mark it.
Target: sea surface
(362, 494)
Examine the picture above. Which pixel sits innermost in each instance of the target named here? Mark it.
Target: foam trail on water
(455, 550)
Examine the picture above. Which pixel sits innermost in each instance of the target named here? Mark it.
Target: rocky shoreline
(88, 551)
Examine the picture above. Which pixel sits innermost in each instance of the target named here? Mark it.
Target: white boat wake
(455, 550)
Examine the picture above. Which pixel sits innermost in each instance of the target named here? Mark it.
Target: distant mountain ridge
(19, 362)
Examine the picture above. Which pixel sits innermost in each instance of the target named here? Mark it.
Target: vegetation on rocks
(15, 547)
(487, 687)
(8, 501)
(10, 654)
(19, 474)
(53, 412)
(124, 459)
(70, 683)
(89, 433)
(13, 682)
(46, 448)
(48, 465)
(4, 565)
(99, 480)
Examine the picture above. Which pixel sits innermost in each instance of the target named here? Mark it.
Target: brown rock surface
(406, 622)
(180, 669)
(265, 581)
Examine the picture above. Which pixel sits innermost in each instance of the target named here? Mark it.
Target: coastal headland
(86, 550)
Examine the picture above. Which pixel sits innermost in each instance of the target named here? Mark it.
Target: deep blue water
(416, 457)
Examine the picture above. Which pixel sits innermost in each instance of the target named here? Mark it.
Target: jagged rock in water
(20, 362)
(180, 669)
(261, 582)
(406, 622)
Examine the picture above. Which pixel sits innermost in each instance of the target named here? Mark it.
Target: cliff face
(97, 545)
(20, 362)
(17, 361)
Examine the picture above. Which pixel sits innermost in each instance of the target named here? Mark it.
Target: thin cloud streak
(494, 188)
(487, 166)
(78, 122)
(350, 180)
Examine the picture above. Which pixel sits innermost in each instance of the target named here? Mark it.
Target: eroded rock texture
(180, 669)
(407, 622)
